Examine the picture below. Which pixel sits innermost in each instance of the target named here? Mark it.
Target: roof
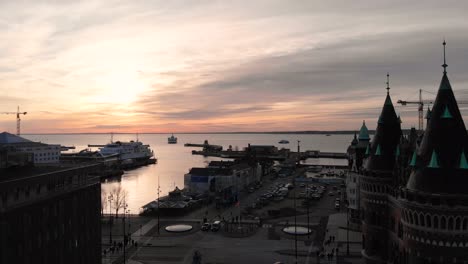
(440, 162)
(210, 171)
(355, 141)
(387, 136)
(7, 138)
(364, 132)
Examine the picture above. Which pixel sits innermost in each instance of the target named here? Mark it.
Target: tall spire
(388, 83)
(445, 64)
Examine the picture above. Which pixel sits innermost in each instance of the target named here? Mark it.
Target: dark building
(50, 214)
(414, 195)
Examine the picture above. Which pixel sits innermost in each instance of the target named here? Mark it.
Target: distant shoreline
(337, 132)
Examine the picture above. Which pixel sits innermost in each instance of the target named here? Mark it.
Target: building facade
(50, 215)
(41, 153)
(414, 200)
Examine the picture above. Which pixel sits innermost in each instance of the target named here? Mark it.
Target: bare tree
(119, 197)
(103, 202)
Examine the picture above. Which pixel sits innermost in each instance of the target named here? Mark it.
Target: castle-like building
(413, 190)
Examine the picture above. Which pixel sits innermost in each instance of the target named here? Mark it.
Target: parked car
(337, 205)
(206, 227)
(331, 193)
(216, 226)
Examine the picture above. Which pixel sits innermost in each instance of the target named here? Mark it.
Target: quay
(279, 156)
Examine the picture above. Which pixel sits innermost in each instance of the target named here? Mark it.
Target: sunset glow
(213, 66)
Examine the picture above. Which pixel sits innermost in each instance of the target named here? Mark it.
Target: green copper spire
(367, 150)
(377, 151)
(380, 120)
(434, 163)
(446, 113)
(463, 162)
(364, 132)
(413, 159)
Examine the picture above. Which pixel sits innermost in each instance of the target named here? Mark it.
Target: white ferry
(127, 150)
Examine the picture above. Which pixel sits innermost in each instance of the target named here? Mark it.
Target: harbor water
(175, 160)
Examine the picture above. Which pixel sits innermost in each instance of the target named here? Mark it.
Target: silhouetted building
(414, 199)
(50, 214)
(41, 153)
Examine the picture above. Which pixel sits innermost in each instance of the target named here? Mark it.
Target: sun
(120, 87)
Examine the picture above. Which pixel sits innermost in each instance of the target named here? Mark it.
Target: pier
(262, 153)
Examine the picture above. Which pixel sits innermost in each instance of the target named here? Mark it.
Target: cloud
(154, 66)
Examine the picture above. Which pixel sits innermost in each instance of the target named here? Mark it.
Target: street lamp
(298, 152)
(347, 227)
(159, 209)
(308, 204)
(110, 198)
(124, 235)
(295, 218)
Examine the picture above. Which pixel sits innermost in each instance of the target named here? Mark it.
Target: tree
(119, 197)
(103, 202)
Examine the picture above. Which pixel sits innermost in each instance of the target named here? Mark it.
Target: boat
(283, 141)
(132, 151)
(172, 140)
(327, 135)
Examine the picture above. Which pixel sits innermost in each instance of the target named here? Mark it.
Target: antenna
(445, 64)
(388, 83)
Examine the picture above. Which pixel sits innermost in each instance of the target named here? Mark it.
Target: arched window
(465, 223)
(450, 223)
(443, 223)
(436, 221)
(457, 223)
(416, 222)
(421, 219)
(428, 220)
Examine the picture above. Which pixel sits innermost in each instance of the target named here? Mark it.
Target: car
(216, 226)
(337, 205)
(206, 227)
(251, 190)
(331, 193)
(302, 185)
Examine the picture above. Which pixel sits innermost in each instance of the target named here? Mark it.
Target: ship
(283, 141)
(130, 154)
(172, 140)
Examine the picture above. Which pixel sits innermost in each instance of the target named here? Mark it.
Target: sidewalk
(337, 228)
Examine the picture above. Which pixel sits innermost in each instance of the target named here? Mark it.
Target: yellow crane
(421, 104)
(18, 119)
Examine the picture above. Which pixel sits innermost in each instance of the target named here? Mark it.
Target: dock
(280, 155)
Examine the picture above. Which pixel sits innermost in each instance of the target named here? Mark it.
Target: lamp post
(124, 235)
(295, 219)
(110, 198)
(159, 209)
(347, 227)
(308, 204)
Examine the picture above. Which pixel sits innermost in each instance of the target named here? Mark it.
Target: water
(175, 160)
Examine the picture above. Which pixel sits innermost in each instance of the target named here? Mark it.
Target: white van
(215, 226)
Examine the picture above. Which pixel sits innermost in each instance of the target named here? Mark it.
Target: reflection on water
(174, 160)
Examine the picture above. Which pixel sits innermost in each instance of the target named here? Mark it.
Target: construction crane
(421, 104)
(18, 119)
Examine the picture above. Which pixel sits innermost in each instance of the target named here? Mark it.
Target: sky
(148, 66)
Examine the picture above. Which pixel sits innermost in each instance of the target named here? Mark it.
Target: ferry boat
(128, 151)
(172, 140)
(283, 141)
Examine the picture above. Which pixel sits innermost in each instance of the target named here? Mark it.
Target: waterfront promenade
(264, 243)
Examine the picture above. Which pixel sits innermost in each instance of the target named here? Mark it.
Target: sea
(175, 160)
